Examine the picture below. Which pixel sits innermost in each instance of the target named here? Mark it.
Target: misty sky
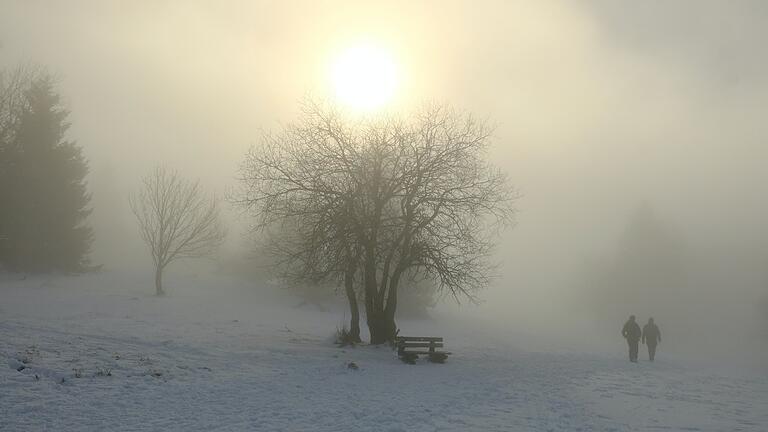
(600, 106)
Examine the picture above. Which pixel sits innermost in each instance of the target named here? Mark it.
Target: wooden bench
(409, 348)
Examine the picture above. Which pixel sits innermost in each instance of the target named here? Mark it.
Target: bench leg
(437, 357)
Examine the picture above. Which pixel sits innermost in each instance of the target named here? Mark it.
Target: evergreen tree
(44, 198)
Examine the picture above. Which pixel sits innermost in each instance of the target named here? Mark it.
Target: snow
(99, 352)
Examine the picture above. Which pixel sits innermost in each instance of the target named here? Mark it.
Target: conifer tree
(45, 195)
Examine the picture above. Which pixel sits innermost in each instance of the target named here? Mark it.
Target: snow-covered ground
(99, 352)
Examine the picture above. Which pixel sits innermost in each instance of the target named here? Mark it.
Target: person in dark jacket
(631, 333)
(651, 337)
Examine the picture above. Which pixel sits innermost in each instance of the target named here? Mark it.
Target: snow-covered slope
(99, 352)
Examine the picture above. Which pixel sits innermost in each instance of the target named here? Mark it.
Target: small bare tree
(176, 220)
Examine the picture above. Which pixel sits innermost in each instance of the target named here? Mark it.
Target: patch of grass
(344, 337)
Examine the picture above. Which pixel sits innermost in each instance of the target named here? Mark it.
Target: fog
(603, 110)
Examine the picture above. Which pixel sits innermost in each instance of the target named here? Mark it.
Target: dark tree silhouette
(44, 193)
(380, 200)
(176, 220)
(13, 84)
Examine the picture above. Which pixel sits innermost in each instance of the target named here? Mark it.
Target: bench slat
(407, 345)
(419, 338)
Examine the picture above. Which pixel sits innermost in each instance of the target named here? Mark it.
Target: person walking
(651, 337)
(631, 332)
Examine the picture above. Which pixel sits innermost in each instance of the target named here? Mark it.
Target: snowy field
(99, 352)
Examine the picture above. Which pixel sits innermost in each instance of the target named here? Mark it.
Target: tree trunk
(372, 305)
(354, 308)
(159, 281)
(376, 327)
(391, 305)
(381, 324)
(381, 320)
(382, 328)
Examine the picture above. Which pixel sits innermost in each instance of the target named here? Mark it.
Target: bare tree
(310, 221)
(13, 84)
(176, 220)
(380, 200)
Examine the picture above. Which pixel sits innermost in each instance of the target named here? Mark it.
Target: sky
(601, 107)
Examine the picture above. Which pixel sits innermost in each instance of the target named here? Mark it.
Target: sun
(364, 76)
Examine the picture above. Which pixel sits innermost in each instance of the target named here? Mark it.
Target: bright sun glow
(364, 77)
